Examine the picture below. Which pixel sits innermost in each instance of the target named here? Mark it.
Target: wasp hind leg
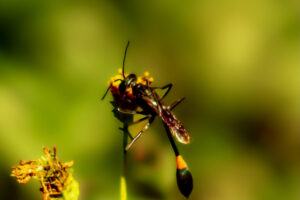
(126, 131)
(134, 123)
(176, 103)
(140, 133)
(140, 120)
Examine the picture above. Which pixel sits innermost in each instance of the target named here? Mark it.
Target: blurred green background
(236, 62)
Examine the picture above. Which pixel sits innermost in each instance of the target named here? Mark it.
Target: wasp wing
(175, 126)
(151, 101)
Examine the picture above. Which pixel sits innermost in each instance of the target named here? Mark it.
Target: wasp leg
(136, 122)
(175, 103)
(139, 120)
(127, 132)
(169, 86)
(130, 112)
(140, 133)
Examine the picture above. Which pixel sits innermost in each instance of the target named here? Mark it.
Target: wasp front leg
(168, 87)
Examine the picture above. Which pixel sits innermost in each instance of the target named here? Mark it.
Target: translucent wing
(180, 133)
(175, 126)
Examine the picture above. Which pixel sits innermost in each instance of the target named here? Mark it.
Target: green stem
(126, 134)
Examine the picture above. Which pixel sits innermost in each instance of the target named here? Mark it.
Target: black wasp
(132, 93)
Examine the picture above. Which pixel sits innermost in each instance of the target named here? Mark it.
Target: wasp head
(127, 83)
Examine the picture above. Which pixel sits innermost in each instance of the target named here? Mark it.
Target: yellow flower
(53, 175)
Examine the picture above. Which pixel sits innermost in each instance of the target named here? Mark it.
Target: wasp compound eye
(130, 79)
(131, 76)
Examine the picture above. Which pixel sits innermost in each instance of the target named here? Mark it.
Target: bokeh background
(236, 62)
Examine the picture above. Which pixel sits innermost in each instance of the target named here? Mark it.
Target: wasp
(134, 94)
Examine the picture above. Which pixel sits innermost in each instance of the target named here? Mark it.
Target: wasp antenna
(106, 92)
(123, 69)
